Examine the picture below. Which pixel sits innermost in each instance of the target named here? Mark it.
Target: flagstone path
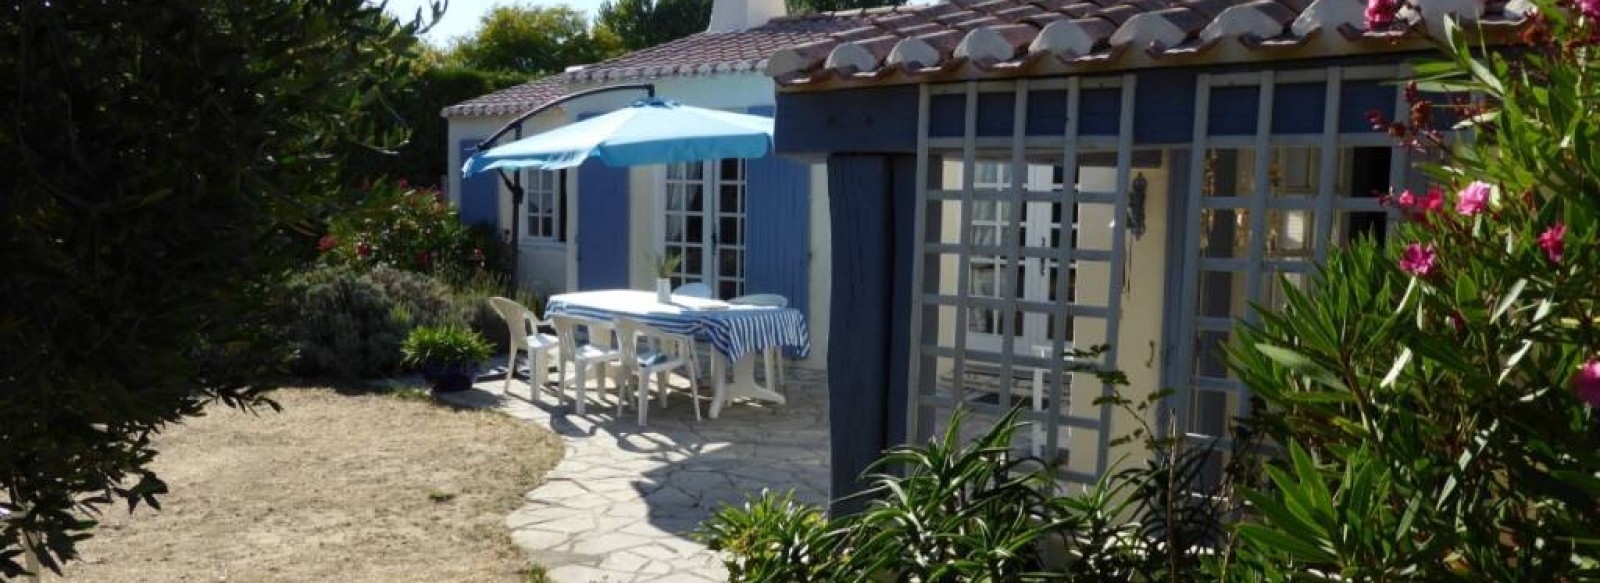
(620, 507)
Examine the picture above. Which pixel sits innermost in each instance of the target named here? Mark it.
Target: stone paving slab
(622, 503)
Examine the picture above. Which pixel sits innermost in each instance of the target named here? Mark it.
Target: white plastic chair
(696, 289)
(525, 336)
(594, 354)
(651, 352)
(774, 360)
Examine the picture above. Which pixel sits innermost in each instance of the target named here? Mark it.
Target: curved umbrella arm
(516, 124)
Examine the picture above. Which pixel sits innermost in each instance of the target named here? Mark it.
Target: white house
(756, 226)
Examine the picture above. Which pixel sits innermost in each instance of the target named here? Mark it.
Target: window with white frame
(542, 206)
(704, 218)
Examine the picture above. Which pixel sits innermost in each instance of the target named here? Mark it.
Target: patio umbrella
(651, 131)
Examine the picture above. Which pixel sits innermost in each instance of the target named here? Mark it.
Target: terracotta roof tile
(511, 100)
(1009, 36)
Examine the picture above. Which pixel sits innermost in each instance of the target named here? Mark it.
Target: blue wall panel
(996, 114)
(603, 232)
(777, 227)
(1164, 107)
(1357, 98)
(946, 115)
(1047, 113)
(1233, 111)
(1101, 111)
(479, 198)
(1297, 108)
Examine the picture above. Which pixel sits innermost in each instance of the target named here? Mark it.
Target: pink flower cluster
(1381, 13)
(1473, 199)
(1586, 382)
(1422, 260)
(1419, 260)
(1589, 8)
(1551, 240)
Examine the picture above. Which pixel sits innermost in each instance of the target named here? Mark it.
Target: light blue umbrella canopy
(651, 131)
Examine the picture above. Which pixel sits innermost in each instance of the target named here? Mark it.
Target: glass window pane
(730, 264)
(732, 169)
(693, 201)
(731, 201)
(1222, 294)
(692, 261)
(1289, 233)
(694, 227)
(1224, 233)
(1229, 172)
(728, 231)
(1210, 358)
(1293, 171)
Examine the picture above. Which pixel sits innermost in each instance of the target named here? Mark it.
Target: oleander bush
(395, 225)
(1436, 397)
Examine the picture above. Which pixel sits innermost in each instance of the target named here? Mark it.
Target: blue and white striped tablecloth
(734, 331)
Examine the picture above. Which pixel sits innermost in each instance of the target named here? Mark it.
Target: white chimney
(738, 15)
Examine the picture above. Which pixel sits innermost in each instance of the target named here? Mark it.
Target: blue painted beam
(869, 120)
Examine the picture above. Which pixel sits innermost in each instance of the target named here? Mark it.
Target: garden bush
(350, 324)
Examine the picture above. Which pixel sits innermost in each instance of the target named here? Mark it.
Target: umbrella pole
(515, 184)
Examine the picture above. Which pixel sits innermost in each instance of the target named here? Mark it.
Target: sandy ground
(334, 488)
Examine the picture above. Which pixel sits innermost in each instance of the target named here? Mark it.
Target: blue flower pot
(449, 377)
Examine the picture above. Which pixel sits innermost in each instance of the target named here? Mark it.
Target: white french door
(1043, 226)
(705, 224)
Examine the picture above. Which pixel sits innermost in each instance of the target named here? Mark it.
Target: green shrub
(351, 325)
(450, 344)
(949, 511)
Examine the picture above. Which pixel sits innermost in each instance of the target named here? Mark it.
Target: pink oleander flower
(1586, 382)
(1472, 199)
(1381, 13)
(363, 250)
(1551, 240)
(327, 243)
(1433, 201)
(1406, 200)
(1419, 260)
(1589, 8)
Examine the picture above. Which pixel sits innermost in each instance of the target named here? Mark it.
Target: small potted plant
(666, 265)
(448, 356)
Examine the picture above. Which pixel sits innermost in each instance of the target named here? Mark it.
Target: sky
(461, 16)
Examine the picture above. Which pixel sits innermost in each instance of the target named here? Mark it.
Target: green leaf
(1302, 364)
(1510, 298)
(1394, 370)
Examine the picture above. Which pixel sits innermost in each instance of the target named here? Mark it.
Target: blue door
(778, 226)
(479, 194)
(603, 229)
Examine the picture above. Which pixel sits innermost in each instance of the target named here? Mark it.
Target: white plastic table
(738, 333)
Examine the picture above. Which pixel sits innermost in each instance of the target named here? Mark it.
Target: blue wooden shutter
(603, 229)
(778, 226)
(479, 194)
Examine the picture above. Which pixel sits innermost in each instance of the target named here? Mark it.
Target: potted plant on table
(448, 356)
(665, 265)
